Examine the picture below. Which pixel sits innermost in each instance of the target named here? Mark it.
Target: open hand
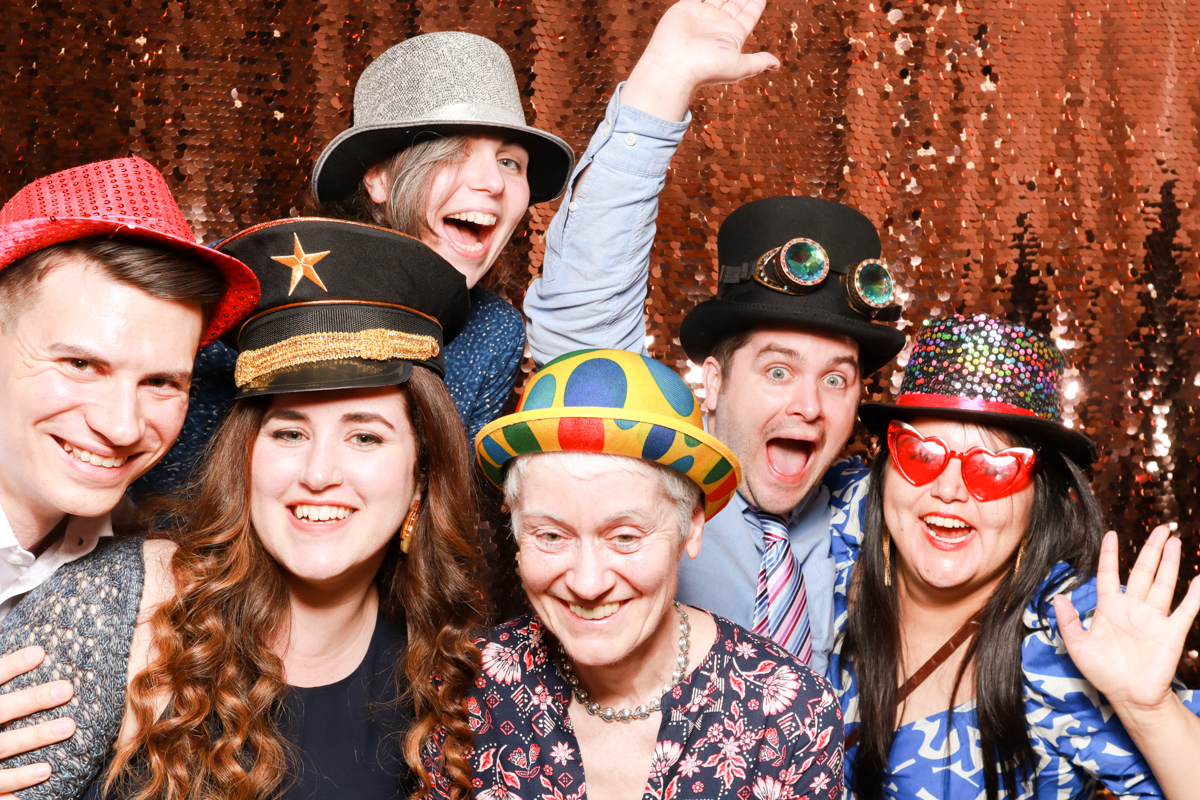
(1132, 648)
(16, 705)
(696, 43)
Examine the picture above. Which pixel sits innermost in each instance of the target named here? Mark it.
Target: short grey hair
(682, 491)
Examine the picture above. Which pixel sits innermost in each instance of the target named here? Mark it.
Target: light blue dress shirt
(605, 226)
(724, 577)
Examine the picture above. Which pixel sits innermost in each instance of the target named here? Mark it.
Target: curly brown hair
(214, 663)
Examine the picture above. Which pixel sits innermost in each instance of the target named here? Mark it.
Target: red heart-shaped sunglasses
(988, 475)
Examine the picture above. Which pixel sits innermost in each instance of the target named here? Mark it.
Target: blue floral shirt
(749, 721)
(1079, 741)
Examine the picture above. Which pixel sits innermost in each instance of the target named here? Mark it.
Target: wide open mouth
(789, 458)
(469, 232)
(947, 530)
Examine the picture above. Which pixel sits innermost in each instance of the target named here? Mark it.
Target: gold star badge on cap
(302, 264)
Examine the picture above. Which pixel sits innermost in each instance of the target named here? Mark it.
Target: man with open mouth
(797, 322)
(105, 297)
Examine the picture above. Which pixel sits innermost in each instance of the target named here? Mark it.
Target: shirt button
(605, 128)
(631, 139)
(572, 205)
(15, 558)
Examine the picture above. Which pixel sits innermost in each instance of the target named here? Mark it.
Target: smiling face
(944, 539)
(332, 479)
(599, 557)
(786, 408)
(94, 379)
(475, 203)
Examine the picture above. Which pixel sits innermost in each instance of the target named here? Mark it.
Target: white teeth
(321, 513)
(478, 217)
(596, 612)
(94, 459)
(944, 522)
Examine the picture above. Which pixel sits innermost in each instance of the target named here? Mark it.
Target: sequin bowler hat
(614, 402)
(445, 84)
(985, 370)
(125, 198)
(344, 305)
(837, 242)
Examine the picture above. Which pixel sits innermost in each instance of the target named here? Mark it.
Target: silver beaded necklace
(641, 712)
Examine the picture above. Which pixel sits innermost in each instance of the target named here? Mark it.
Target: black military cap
(799, 261)
(344, 305)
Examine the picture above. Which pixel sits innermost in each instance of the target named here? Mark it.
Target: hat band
(483, 113)
(376, 344)
(962, 404)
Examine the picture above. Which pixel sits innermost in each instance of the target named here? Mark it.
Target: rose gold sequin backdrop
(1034, 160)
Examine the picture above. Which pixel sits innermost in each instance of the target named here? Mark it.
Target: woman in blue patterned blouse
(961, 587)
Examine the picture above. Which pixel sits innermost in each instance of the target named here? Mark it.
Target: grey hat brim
(347, 158)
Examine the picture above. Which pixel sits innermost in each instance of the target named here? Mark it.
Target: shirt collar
(80, 537)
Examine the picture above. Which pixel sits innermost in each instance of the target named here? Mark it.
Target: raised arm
(592, 292)
(1130, 652)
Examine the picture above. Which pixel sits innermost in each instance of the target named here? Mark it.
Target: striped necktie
(781, 604)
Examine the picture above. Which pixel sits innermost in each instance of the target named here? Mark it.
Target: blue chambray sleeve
(1068, 715)
(592, 291)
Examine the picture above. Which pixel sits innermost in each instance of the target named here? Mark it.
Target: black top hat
(344, 305)
(984, 370)
(743, 301)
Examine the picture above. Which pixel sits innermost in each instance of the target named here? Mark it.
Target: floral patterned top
(749, 721)
(1078, 740)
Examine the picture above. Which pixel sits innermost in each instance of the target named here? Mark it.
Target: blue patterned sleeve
(1068, 715)
(483, 362)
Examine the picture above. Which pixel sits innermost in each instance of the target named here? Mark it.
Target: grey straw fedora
(444, 83)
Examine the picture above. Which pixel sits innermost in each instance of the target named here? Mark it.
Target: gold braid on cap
(376, 344)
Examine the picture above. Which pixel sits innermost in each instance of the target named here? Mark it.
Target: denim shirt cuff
(631, 140)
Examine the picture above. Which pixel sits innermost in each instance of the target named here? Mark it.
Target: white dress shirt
(22, 572)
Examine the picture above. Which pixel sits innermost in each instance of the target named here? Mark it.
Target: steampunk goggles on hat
(800, 265)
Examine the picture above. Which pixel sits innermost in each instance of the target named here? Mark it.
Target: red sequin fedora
(126, 197)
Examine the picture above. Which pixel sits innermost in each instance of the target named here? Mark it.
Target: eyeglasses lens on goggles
(987, 475)
(802, 264)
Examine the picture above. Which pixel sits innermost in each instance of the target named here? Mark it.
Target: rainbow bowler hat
(614, 402)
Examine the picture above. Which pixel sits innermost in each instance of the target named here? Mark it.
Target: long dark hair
(1066, 524)
(224, 684)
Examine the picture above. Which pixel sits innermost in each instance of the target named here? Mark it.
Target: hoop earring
(410, 524)
(1020, 555)
(887, 559)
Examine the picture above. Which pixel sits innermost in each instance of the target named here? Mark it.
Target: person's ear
(695, 537)
(376, 182)
(711, 378)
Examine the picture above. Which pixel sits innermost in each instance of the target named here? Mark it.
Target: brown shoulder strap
(936, 660)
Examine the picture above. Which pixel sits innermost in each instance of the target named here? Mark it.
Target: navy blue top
(482, 364)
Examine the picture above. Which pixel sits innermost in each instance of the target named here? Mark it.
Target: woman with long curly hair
(961, 663)
(301, 621)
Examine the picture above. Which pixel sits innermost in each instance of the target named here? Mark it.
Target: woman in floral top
(604, 505)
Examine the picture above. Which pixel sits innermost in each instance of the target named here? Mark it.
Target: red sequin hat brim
(136, 188)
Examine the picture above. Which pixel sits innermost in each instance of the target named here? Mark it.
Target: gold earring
(1020, 555)
(887, 559)
(410, 523)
